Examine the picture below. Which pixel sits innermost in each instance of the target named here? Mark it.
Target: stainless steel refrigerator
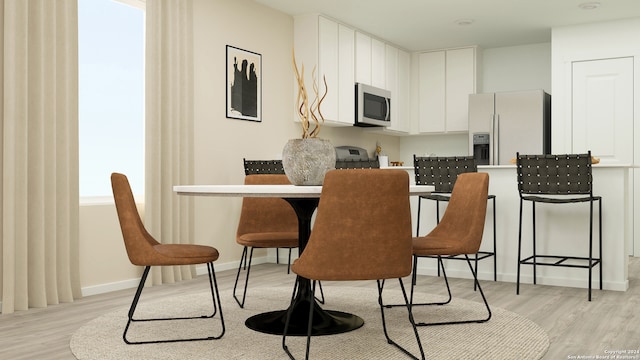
(503, 123)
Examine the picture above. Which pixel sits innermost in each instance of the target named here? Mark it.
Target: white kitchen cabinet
(378, 64)
(446, 78)
(397, 81)
(363, 58)
(328, 45)
(370, 60)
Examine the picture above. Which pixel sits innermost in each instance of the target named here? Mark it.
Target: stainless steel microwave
(373, 106)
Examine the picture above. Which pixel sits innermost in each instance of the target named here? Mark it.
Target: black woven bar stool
(558, 179)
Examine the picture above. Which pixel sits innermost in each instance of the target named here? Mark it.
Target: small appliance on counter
(353, 157)
(351, 153)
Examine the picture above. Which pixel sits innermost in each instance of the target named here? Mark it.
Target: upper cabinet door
(327, 67)
(363, 58)
(329, 46)
(432, 92)
(460, 82)
(378, 67)
(346, 74)
(447, 77)
(602, 110)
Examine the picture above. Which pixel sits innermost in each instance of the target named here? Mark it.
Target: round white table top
(290, 191)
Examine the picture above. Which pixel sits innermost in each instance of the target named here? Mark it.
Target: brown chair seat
(183, 254)
(269, 239)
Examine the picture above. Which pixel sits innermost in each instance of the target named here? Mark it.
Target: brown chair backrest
(259, 215)
(137, 241)
(463, 221)
(362, 229)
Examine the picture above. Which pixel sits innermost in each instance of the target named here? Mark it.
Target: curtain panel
(40, 205)
(169, 127)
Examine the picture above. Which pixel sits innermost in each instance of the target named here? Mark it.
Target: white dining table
(304, 200)
(283, 191)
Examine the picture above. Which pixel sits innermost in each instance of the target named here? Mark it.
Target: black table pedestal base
(325, 322)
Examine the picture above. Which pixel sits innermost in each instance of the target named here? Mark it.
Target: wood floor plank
(575, 326)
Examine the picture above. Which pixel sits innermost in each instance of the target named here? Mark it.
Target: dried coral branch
(311, 117)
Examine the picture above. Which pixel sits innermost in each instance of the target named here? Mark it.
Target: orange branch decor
(308, 110)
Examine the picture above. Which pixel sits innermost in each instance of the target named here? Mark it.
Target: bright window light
(111, 99)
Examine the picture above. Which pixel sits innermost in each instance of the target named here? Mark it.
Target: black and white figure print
(244, 84)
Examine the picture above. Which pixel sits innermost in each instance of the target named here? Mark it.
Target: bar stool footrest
(559, 261)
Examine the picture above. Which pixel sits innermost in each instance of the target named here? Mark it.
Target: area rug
(506, 336)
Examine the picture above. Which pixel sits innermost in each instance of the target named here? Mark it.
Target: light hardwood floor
(575, 326)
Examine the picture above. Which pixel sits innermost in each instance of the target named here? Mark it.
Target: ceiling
(431, 24)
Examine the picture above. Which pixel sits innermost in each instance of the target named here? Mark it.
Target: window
(111, 94)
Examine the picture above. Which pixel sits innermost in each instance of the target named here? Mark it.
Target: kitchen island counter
(560, 229)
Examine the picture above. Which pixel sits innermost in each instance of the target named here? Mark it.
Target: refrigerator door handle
(496, 139)
(492, 139)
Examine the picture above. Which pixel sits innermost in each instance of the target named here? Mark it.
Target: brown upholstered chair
(260, 167)
(264, 223)
(144, 250)
(459, 233)
(345, 245)
(442, 172)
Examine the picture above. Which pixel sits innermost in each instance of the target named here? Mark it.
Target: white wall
(524, 67)
(585, 42)
(614, 39)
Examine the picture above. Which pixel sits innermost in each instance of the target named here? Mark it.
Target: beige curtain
(169, 126)
(39, 251)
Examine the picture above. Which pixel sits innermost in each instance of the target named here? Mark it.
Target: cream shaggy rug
(506, 336)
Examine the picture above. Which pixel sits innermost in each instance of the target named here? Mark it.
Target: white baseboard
(133, 283)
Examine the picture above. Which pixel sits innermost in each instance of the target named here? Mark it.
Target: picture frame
(244, 84)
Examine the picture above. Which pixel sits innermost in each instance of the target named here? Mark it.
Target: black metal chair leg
(495, 256)
(484, 299)
(321, 299)
(408, 305)
(600, 238)
(519, 249)
(247, 266)
(287, 320)
(446, 281)
(309, 324)
(217, 308)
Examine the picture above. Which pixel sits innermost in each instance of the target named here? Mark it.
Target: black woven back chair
(558, 179)
(357, 164)
(263, 167)
(442, 172)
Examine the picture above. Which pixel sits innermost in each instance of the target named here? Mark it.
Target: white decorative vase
(306, 161)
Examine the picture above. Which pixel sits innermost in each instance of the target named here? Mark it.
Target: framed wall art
(244, 84)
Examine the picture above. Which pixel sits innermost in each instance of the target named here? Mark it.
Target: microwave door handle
(388, 102)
